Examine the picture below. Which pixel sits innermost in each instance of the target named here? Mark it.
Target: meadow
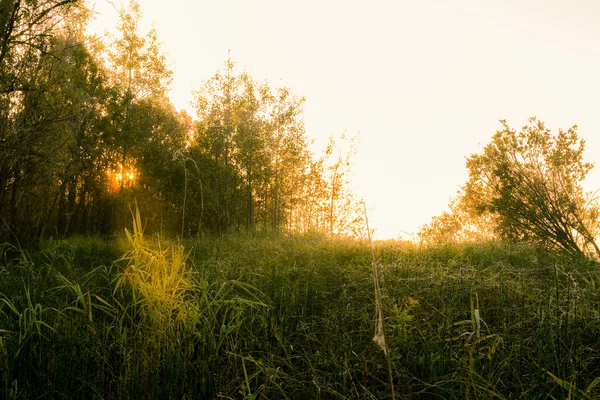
(293, 317)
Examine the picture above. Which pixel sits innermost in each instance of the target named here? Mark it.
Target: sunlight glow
(121, 177)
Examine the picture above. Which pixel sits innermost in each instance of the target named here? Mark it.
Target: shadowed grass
(292, 317)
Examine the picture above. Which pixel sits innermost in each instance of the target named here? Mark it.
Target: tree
(34, 118)
(217, 103)
(287, 148)
(139, 72)
(26, 28)
(139, 67)
(529, 183)
(161, 177)
(342, 209)
(459, 224)
(251, 162)
(250, 141)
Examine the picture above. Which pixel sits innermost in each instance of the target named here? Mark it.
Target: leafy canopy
(527, 184)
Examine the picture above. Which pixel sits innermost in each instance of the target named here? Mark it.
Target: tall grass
(292, 317)
(158, 279)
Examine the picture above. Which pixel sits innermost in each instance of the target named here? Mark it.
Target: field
(294, 318)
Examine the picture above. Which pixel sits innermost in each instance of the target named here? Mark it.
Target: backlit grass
(294, 317)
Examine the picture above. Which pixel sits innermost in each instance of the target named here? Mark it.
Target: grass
(294, 317)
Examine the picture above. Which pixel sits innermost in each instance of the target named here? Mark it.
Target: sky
(424, 83)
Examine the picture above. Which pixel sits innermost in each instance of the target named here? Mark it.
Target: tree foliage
(528, 186)
(251, 166)
(459, 224)
(87, 131)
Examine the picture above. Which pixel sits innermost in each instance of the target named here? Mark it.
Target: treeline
(87, 132)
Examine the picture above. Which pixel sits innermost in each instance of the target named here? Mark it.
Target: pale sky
(424, 82)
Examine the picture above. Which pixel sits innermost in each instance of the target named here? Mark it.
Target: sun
(121, 178)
